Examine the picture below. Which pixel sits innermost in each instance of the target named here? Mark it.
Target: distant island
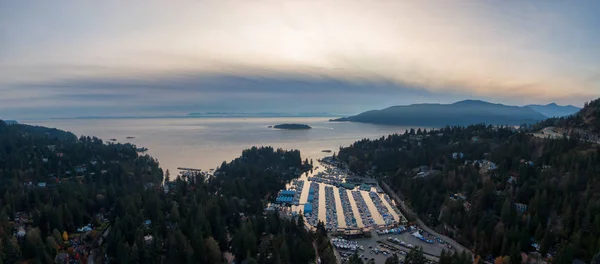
(292, 126)
(461, 113)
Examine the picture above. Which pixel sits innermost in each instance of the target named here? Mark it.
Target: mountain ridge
(554, 110)
(462, 113)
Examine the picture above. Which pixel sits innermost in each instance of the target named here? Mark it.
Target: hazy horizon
(72, 58)
(229, 114)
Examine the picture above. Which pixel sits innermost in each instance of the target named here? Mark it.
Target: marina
(341, 200)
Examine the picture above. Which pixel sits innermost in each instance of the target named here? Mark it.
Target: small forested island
(292, 126)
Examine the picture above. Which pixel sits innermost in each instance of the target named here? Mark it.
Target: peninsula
(292, 126)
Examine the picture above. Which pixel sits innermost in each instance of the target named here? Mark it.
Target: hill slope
(509, 188)
(585, 124)
(587, 119)
(554, 110)
(460, 113)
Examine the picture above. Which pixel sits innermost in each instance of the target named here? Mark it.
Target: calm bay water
(205, 143)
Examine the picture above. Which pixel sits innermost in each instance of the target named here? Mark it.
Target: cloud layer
(302, 55)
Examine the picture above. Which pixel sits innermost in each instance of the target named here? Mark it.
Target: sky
(126, 58)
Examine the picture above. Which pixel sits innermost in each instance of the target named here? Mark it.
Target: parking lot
(373, 249)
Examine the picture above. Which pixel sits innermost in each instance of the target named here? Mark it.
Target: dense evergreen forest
(497, 190)
(68, 199)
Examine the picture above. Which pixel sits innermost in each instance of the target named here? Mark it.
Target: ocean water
(204, 143)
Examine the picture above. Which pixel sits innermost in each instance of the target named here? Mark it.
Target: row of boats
(347, 208)
(363, 209)
(388, 218)
(313, 217)
(396, 210)
(400, 242)
(396, 230)
(298, 186)
(344, 244)
(331, 218)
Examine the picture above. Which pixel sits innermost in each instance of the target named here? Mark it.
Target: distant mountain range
(554, 110)
(261, 114)
(461, 113)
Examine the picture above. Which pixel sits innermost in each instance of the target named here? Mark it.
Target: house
(467, 206)
(41, 184)
(459, 196)
(51, 147)
(45, 160)
(458, 155)
(84, 229)
(147, 223)
(148, 239)
(485, 165)
(21, 231)
(521, 208)
(80, 169)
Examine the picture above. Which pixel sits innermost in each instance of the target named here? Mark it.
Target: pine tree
(506, 211)
(212, 250)
(445, 257)
(392, 259)
(355, 259)
(564, 255)
(415, 256)
(539, 233)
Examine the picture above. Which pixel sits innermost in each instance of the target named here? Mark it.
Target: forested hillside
(496, 190)
(72, 200)
(584, 124)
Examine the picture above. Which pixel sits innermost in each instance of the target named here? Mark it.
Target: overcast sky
(75, 58)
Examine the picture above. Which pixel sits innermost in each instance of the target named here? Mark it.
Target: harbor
(340, 199)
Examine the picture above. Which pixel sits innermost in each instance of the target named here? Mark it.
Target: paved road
(414, 217)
